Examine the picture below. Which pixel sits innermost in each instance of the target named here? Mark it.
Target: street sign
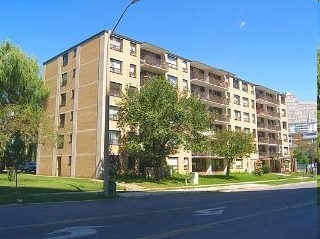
(258, 164)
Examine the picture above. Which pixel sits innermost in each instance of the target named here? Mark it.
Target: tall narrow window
(115, 89)
(64, 79)
(63, 98)
(132, 70)
(60, 143)
(185, 84)
(172, 62)
(62, 120)
(185, 66)
(71, 116)
(113, 112)
(65, 59)
(133, 49)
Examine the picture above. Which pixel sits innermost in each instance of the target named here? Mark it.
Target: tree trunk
(228, 168)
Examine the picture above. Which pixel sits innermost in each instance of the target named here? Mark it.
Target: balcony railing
(268, 112)
(221, 117)
(262, 125)
(267, 98)
(274, 127)
(153, 61)
(263, 140)
(211, 98)
(275, 141)
(209, 79)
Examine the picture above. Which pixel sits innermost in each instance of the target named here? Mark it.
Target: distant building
(302, 116)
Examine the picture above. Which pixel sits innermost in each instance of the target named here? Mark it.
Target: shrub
(265, 169)
(257, 172)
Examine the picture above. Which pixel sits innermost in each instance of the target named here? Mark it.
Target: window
(236, 99)
(72, 94)
(114, 137)
(283, 113)
(284, 125)
(236, 84)
(173, 162)
(65, 59)
(115, 66)
(61, 120)
(115, 89)
(132, 70)
(173, 80)
(172, 62)
(70, 160)
(246, 130)
(185, 66)
(74, 73)
(113, 112)
(216, 164)
(63, 98)
(64, 79)
(253, 118)
(285, 150)
(186, 163)
(70, 138)
(74, 52)
(252, 104)
(115, 43)
(239, 164)
(185, 84)
(254, 132)
(237, 128)
(133, 49)
(245, 102)
(60, 143)
(246, 117)
(237, 115)
(71, 116)
(244, 87)
(285, 138)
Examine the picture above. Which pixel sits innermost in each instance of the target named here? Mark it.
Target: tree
(160, 120)
(301, 157)
(23, 97)
(231, 145)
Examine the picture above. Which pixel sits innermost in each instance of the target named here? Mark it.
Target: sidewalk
(137, 192)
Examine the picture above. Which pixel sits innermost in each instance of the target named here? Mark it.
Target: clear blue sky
(272, 43)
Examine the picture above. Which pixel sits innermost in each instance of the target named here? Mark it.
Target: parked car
(29, 167)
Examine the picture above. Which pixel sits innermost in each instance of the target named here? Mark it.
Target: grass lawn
(34, 188)
(178, 180)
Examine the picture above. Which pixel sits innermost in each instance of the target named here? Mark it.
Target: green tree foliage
(231, 145)
(23, 97)
(159, 120)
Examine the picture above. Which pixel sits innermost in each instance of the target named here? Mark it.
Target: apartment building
(78, 80)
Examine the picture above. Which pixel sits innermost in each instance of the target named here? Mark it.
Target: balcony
(211, 98)
(274, 127)
(275, 141)
(262, 125)
(151, 63)
(263, 140)
(207, 80)
(221, 117)
(267, 98)
(261, 111)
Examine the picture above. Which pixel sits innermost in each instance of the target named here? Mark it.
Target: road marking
(74, 232)
(209, 225)
(209, 211)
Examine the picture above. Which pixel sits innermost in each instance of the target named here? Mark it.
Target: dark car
(29, 167)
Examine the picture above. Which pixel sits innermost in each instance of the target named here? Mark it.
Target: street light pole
(106, 115)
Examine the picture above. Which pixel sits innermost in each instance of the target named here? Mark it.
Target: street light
(106, 115)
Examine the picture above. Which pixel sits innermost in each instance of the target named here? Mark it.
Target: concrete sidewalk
(235, 187)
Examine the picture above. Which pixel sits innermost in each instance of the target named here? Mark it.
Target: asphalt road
(287, 213)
